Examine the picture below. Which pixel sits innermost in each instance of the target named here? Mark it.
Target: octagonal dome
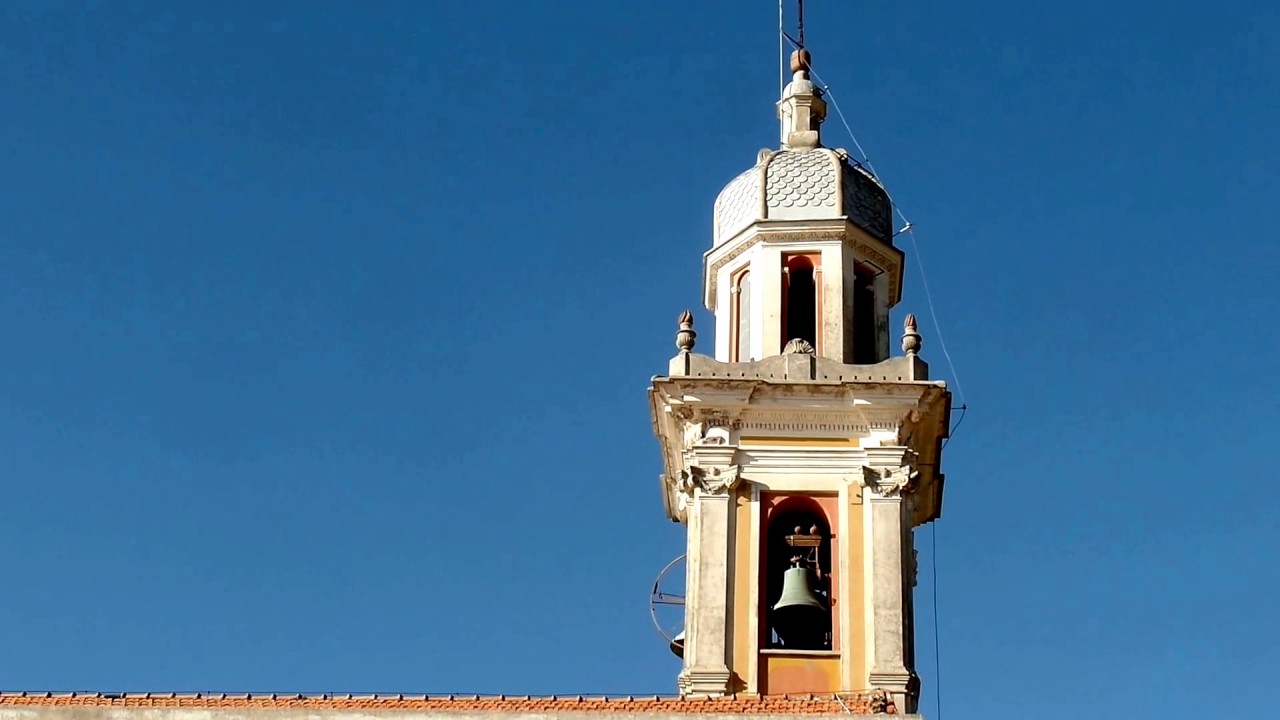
(803, 184)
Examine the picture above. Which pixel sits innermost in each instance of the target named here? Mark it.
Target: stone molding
(900, 684)
(704, 682)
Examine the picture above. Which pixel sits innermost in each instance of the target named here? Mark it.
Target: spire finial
(801, 108)
(685, 337)
(910, 337)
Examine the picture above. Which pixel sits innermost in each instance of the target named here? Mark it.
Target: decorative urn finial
(801, 108)
(910, 338)
(801, 61)
(685, 337)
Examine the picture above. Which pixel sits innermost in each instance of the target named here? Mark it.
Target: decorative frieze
(780, 423)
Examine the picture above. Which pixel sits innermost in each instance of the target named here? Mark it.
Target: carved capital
(710, 480)
(889, 481)
(682, 413)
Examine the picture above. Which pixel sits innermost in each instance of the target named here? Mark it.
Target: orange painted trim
(735, 313)
(783, 673)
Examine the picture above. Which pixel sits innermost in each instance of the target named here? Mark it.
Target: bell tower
(801, 455)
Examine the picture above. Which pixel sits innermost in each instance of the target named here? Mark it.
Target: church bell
(677, 644)
(800, 616)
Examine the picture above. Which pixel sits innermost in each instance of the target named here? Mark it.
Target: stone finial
(801, 108)
(910, 338)
(798, 346)
(685, 337)
(801, 61)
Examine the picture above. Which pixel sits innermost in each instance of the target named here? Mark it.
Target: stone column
(887, 521)
(706, 670)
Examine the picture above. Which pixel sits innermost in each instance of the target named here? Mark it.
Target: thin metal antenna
(800, 22)
(782, 51)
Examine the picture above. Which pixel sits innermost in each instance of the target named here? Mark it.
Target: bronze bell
(677, 644)
(800, 616)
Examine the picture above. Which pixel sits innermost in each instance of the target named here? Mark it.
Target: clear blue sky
(328, 327)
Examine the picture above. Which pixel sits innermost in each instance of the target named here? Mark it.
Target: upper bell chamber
(803, 246)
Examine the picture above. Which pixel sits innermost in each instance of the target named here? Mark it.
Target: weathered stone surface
(801, 367)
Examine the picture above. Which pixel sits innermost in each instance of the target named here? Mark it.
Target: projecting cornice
(708, 413)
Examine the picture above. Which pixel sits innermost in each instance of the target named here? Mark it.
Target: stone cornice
(697, 410)
(701, 420)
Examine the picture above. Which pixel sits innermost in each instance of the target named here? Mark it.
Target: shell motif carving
(798, 346)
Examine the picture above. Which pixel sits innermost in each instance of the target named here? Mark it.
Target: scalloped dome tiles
(802, 180)
(802, 184)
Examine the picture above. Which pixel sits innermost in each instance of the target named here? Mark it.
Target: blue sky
(327, 333)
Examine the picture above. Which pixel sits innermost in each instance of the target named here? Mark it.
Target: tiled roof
(857, 703)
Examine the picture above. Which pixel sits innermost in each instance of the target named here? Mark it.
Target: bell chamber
(797, 576)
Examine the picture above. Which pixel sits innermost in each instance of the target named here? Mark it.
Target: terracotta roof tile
(856, 703)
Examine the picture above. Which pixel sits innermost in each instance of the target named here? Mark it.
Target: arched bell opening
(740, 318)
(797, 579)
(866, 344)
(800, 300)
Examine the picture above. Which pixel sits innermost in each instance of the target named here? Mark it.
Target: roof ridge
(863, 702)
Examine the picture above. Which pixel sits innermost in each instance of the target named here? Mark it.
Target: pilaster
(887, 481)
(831, 325)
(770, 308)
(708, 484)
